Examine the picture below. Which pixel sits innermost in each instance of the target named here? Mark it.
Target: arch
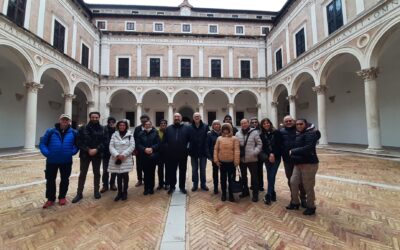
(141, 97)
(58, 74)
(278, 90)
(326, 65)
(23, 61)
(85, 89)
(297, 82)
(114, 92)
(255, 94)
(186, 89)
(217, 89)
(376, 45)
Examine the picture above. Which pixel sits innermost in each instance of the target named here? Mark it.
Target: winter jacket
(92, 136)
(227, 149)
(198, 137)
(56, 148)
(304, 151)
(149, 139)
(110, 132)
(272, 143)
(212, 137)
(124, 146)
(176, 141)
(253, 146)
(288, 140)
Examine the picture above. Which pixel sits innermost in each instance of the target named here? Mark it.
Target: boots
(223, 196)
(267, 199)
(231, 198)
(118, 197)
(292, 206)
(273, 196)
(309, 211)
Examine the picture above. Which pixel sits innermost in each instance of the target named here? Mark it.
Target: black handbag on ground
(237, 184)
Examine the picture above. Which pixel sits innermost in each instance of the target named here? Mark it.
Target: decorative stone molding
(258, 105)
(73, 76)
(38, 60)
(170, 89)
(33, 87)
(68, 97)
(139, 89)
(200, 89)
(320, 89)
(91, 104)
(274, 104)
(291, 98)
(363, 41)
(368, 74)
(231, 90)
(108, 105)
(316, 65)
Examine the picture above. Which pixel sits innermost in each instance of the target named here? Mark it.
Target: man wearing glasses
(289, 138)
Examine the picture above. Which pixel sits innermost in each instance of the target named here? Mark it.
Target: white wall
(217, 102)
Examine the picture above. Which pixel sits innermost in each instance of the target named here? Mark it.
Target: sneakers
(62, 202)
(254, 198)
(48, 204)
(77, 198)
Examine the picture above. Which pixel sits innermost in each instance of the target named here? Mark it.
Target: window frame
(303, 26)
(14, 18)
(190, 25)
(180, 66)
(53, 25)
(250, 70)
(148, 65)
(325, 15)
(159, 31)
(89, 54)
(129, 65)
(210, 66)
(240, 34)
(261, 30)
(276, 64)
(126, 26)
(105, 24)
(209, 26)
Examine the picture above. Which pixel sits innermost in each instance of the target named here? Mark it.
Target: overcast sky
(272, 5)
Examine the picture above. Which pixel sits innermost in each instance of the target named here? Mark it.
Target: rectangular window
(239, 117)
(334, 15)
(85, 55)
(278, 59)
(159, 117)
(59, 36)
(210, 15)
(264, 30)
(235, 16)
(213, 29)
(186, 70)
(158, 27)
(186, 28)
(130, 26)
(101, 25)
(155, 67)
(123, 67)
(160, 13)
(16, 11)
(130, 116)
(212, 115)
(300, 42)
(239, 30)
(216, 68)
(245, 69)
(259, 17)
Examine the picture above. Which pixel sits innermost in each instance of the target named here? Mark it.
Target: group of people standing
(231, 152)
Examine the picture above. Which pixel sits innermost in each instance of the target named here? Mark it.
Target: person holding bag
(122, 145)
(270, 155)
(227, 158)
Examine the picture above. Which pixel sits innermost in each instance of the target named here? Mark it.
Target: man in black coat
(92, 140)
(212, 137)
(176, 141)
(139, 165)
(108, 183)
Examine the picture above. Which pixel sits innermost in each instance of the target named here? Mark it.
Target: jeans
(272, 170)
(107, 183)
(51, 175)
(139, 168)
(227, 173)
(215, 176)
(260, 173)
(84, 167)
(253, 168)
(196, 163)
(122, 181)
(172, 166)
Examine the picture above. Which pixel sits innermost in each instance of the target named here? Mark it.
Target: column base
(374, 150)
(29, 149)
(323, 145)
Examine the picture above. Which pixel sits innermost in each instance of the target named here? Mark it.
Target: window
(85, 55)
(245, 69)
(101, 25)
(130, 116)
(278, 59)
(135, 12)
(59, 36)
(334, 15)
(216, 68)
(130, 26)
(239, 117)
(235, 16)
(211, 116)
(123, 67)
(186, 70)
(16, 11)
(300, 42)
(210, 15)
(239, 30)
(159, 117)
(160, 13)
(213, 29)
(186, 28)
(264, 30)
(158, 27)
(155, 67)
(259, 17)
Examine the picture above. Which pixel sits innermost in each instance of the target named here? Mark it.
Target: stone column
(321, 102)
(139, 109)
(31, 114)
(170, 113)
(292, 105)
(372, 107)
(90, 108)
(259, 112)
(107, 111)
(68, 103)
(274, 114)
(231, 107)
(201, 110)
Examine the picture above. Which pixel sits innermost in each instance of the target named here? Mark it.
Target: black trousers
(51, 176)
(172, 166)
(107, 181)
(253, 168)
(227, 174)
(84, 167)
(215, 175)
(162, 173)
(122, 182)
(149, 168)
(139, 167)
(260, 174)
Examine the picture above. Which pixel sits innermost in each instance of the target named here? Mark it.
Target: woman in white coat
(122, 145)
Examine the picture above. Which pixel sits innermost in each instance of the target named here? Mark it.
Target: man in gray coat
(250, 147)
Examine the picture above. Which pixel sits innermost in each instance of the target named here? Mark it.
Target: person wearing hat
(108, 182)
(58, 145)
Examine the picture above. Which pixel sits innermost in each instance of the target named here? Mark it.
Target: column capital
(33, 87)
(258, 105)
(231, 105)
(91, 104)
(108, 105)
(201, 104)
(291, 98)
(171, 104)
(139, 104)
(368, 74)
(320, 89)
(274, 104)
(68, 97)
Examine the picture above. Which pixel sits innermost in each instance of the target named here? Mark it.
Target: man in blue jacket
(58, 145)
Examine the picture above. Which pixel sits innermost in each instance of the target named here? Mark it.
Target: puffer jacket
(288, 141)
(198, 136)
(227, 149)
(272, 143)
(124, 146)
(176, 140)
(253, 146)
(92, 136)
(304, 151)
(149, 139)
(212, 137)
(58, 149)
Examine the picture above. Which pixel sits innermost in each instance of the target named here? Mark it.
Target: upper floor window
(334, 15)
(264, 30)
(158, 27)
(160, 13)
(239, 30)
(59, 36)
(16, 11)
(85, 55)
(300, 42)
(123, 66)
(259, 17)
(245, 69)
(186, 28)
(216, 68)
(130, 26)
(102, 25)
(235, 16)
(278, 59)
(155, 67)
(186, 67)
(210, 15)
(213, 29)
